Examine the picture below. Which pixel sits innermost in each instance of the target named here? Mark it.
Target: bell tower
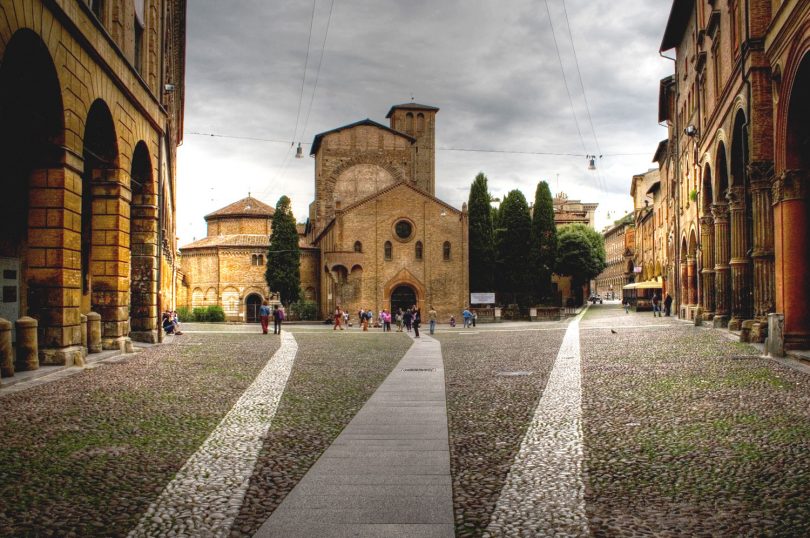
(419, 121)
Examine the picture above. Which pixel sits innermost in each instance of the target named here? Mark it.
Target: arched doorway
(722, 240)
(252, 304)
(403, 296)
(31, 136)
(143, 264)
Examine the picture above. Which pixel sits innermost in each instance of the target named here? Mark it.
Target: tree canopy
(580, 253)
(283, 272)
(543, 240)
(482, 242)
(513, 272)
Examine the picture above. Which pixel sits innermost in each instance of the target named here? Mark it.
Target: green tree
(512, 268)
(580, 253)
(543, 249)
(283, 272)
(482, 241)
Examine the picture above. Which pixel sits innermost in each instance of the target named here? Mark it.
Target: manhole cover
(519, 373)
(419, 369)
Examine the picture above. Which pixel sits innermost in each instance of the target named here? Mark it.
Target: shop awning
(646, 285)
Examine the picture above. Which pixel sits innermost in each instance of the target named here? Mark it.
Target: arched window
(420, 123)
(446, 250)
(388, 250)
(409, 123)
(358, 246)
(261, 260)
(254, 260)
(418, 250)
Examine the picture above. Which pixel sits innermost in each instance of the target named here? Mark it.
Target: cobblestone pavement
(684, 432)
(689, 434)
(86, 455)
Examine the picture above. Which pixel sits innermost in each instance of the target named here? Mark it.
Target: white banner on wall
(482, 298)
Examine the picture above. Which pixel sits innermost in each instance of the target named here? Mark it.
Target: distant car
(595, 299)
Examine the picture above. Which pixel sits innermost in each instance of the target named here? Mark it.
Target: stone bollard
(27, 346)
(83, 325)
(698, 317)
(745, 330)
(6, 351)
(775, 343)
(93, 332)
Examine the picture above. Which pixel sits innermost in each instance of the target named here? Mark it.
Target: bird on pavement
(614, 332)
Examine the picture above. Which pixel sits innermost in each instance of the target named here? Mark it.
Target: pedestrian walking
(668, 305)
(278, 317)
(656, 302)
(467, 315)
(474, 317)
(386, 321)
(407, 319)
(264, 316)
(432, 316)
(452, 321)
(626, 303)
(398, 318)
(338, 319)
(366, 319)
(417, 320)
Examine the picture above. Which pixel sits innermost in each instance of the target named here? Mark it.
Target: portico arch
(792, 205)
(741, 224)
(722, 238)
(144, 245)
(35, 241)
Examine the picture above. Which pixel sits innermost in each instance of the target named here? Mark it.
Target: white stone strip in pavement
(544, 493)
(207, 493)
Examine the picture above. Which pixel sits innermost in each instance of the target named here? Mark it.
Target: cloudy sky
(490, 66)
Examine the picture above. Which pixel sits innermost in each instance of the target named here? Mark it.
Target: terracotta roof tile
(246, 207)
(237, 240)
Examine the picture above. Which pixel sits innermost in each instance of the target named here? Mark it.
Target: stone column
(761, 176)
(110, 258)
(740, 262)
(721, 267)
(707, 263)
(791, 216)
(691, 277)
(53, 272)
(684, 284)
(6, 351)
(27, 345)
(144, 268)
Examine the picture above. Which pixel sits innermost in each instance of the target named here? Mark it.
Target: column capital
(760, 174)
(791, 185)
(736, 198)
(720, 212)
(707, 221)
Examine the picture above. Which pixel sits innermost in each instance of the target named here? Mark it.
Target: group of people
(170, 322)
(265, 313)
(408, 319)
(658, 305)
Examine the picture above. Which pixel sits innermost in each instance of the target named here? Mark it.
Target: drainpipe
(160, 237)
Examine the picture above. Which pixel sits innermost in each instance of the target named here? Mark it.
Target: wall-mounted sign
(482, 298)
(637, 269)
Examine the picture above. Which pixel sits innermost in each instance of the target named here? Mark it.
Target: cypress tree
(482, 242)
(513, 270)
(543, 253)
(283, 272)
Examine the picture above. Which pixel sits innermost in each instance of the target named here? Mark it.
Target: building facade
(739, 144)
(573, 211)
(383, 238)
(91, 98)
(609, 283)
(227, 267)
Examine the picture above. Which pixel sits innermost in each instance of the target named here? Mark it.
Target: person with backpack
(278, 317)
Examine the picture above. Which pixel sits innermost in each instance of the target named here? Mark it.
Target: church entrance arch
(403, 296)
(252, 304)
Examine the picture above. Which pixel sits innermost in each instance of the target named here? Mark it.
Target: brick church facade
(383, 238)
(91, 99)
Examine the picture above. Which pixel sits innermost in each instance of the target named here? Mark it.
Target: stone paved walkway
(205, 496)
(544, 494)
(388, 472)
